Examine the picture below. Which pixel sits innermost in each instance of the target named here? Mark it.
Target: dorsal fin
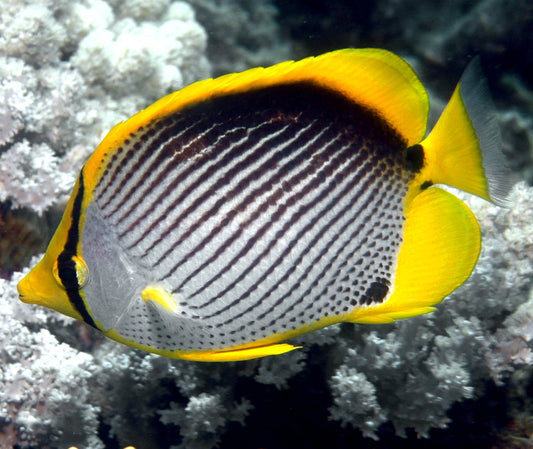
(374, 78)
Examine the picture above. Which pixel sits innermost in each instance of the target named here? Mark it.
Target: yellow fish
(245, 210)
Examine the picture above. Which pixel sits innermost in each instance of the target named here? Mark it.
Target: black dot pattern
(258, 213)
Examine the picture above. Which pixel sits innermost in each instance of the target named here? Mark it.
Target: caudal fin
(464, 148)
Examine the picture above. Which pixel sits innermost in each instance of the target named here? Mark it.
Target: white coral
(40, 374)
(149, 57)
(30, 176)
(72, 70)
(354, 392)
(31, 33)
(203, 418)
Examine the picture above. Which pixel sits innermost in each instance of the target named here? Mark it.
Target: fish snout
(24, 289)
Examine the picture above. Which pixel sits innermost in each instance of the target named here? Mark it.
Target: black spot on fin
(375, 293)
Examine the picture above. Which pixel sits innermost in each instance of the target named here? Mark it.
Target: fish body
(248, 209)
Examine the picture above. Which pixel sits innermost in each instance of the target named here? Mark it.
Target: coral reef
(241, 34)
(71, 70)
(408, 373)
(30, 175)
(40, 377)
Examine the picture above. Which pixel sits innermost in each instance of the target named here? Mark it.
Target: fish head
(43, 285)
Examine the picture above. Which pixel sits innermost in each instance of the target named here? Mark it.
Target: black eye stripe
(66, 268)
(65, 264)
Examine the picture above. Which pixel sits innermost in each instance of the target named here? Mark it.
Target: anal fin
(166, 305)
(441, 245)
(233, 355)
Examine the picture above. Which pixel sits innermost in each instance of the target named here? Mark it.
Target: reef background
(459, 377)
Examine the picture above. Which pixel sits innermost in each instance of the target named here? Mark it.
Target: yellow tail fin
(464, 148)
(442, 241)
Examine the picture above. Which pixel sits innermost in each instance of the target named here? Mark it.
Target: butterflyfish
(245, 210)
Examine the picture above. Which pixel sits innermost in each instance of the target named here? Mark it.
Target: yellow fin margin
(375, 78)
(245, 352)
(440, 248)
(239, 354)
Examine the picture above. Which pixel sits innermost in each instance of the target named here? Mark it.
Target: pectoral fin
(158, 297)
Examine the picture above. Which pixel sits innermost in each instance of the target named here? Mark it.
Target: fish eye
(70, 271)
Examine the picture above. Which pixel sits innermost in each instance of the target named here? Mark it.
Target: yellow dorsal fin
(440, 249)
(374, 78)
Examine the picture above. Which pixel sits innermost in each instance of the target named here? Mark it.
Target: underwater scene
(252, 224)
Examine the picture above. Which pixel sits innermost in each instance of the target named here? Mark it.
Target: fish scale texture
(244, 216)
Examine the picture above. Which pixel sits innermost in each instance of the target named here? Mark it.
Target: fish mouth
(23, 288)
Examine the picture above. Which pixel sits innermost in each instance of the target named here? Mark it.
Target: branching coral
(203, 419)
(409, 375)
(515, 340)
(30, 175)
(71, 70)
(353, 391)
(39, 379)
(167, 49)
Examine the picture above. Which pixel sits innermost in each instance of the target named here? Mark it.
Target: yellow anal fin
(215, 355)
(159, 297)
(239, 354)
(440, 248)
